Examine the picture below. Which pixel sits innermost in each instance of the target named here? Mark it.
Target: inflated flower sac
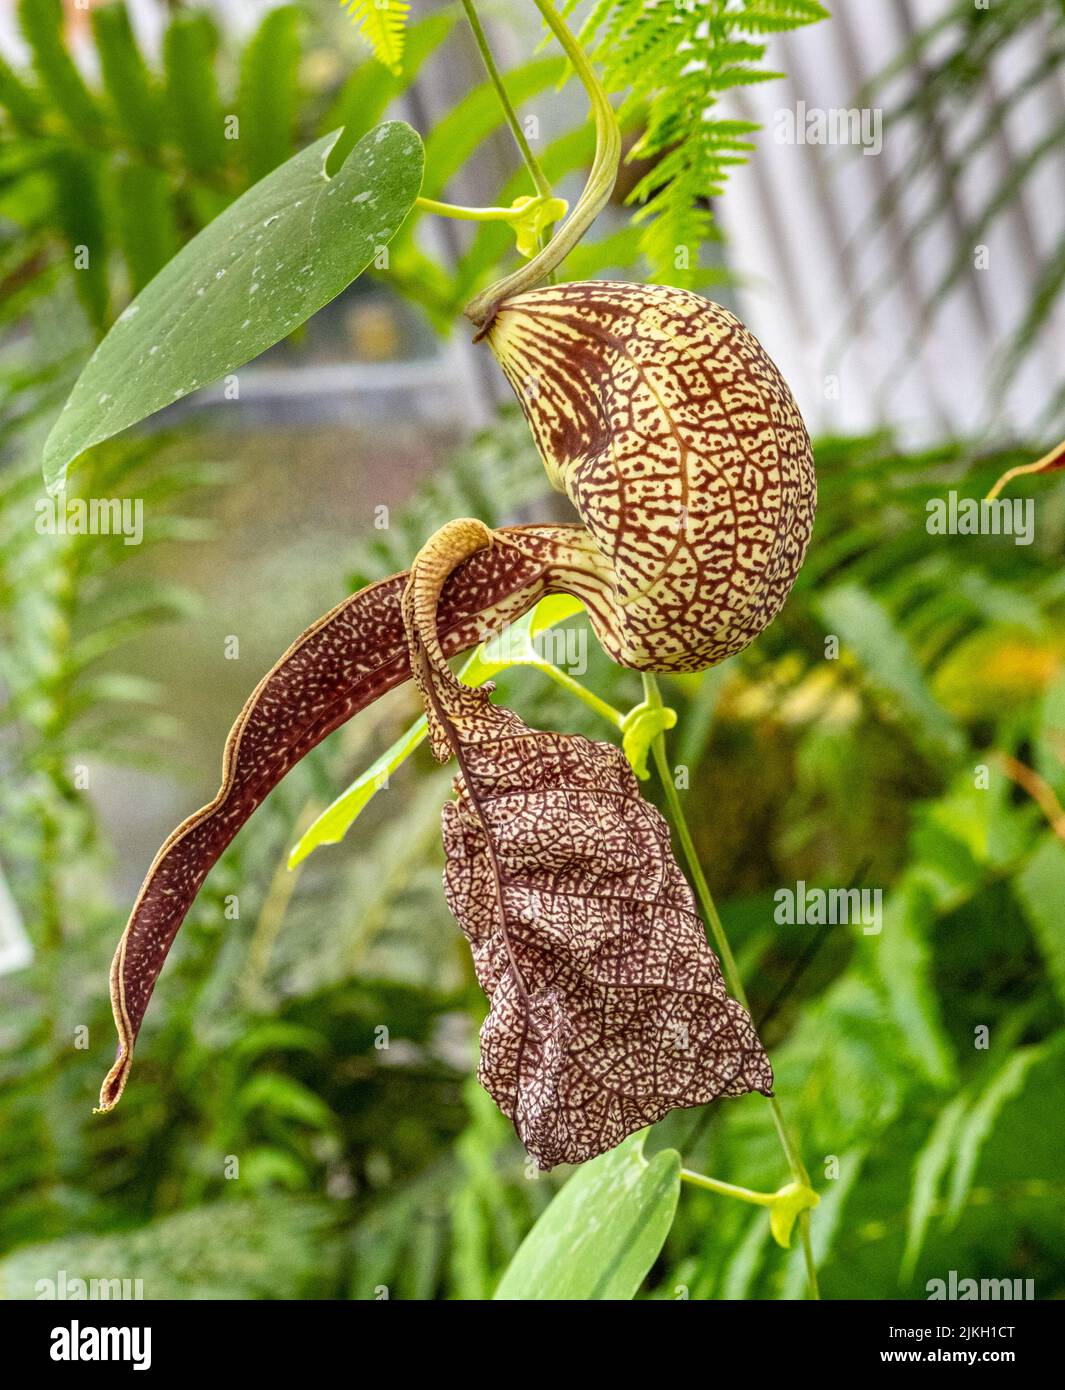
(686, 459)
(684, 453)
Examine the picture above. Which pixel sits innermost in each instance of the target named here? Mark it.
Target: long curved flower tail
(339, 666)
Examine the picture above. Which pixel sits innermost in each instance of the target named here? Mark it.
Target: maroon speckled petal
(337, 667)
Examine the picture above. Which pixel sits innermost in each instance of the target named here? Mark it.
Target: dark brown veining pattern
(608, 1008)
(682, 449)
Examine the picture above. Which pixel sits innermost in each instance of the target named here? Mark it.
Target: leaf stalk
(597, 189)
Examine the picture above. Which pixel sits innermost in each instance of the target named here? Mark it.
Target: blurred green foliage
(304, 1119)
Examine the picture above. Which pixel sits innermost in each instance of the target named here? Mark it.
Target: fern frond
(777, 15)
(383, 24)
(676, 60)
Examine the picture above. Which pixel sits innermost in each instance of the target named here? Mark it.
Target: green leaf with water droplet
(284, 249)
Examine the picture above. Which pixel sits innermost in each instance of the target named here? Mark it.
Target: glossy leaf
(600, 1236)
(270, 261)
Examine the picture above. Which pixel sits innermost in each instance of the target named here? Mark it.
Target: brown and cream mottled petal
(341, 664)
(680, 445)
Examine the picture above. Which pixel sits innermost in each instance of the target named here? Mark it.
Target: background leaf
(242, 1249)
(128, 83)
(192, 92)
(269, 91)
(41, 22)
(1041, 889)
(603, 1232)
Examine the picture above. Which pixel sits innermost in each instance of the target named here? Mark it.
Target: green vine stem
(653, 696)
(597, 190)
(465, 214)
(786, 1206)
(540, 180)
(529, 218)
(586, 696)
(726, 1189)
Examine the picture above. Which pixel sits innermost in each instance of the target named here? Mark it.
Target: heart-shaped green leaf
(603, 1232)
(260, 269)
